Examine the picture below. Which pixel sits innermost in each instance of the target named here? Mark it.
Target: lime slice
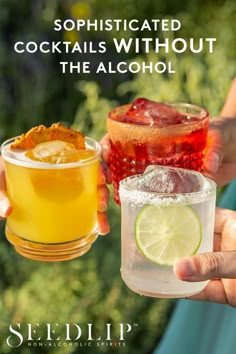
(165, 234)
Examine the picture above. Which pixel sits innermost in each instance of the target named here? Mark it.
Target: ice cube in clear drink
(163, 179)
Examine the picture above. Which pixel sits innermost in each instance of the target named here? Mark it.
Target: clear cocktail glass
(54, 214)
(155, 135)
(166, 214)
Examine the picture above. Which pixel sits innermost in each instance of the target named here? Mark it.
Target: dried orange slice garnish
(41, 134)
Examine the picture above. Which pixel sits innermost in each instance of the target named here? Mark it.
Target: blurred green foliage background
(33, 91)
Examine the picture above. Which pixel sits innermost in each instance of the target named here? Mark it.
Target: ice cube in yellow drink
(54, 200)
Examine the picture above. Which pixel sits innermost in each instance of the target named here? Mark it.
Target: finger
(103, 198)
(107, 172)
(5, 207)
(220, 132)
(214, 152)
(103, 224)
(225, 230)
(225, 219)
(101, 175)
(212, 161)
(214, 291)
(104, 174)
(106, 155)
(207, 266)
(224, 175)
(106, 148)
(217, 140)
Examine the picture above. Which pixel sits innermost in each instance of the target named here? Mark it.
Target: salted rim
(9, 156)
(210, 188)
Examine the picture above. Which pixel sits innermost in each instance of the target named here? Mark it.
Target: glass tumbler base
(51, 252)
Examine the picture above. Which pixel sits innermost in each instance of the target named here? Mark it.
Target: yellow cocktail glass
(54, 213)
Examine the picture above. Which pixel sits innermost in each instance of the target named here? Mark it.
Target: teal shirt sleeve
(202, 327)
(228, 199)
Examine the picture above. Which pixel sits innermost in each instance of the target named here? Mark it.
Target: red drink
(151, 133)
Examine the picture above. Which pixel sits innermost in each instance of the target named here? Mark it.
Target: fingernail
(105, 230)
(5, 207)
(184, 268)
(213, 162)
(102, 206)
(105, 146)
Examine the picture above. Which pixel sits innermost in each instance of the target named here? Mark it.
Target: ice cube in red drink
(147, 112)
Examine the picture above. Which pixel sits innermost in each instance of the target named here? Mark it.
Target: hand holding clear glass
(166, 214)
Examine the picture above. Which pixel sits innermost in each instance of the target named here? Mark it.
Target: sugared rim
(202, 111)
(9, 156)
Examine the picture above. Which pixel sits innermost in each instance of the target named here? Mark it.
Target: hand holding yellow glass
(52, 187)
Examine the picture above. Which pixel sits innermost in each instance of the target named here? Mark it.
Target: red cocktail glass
(150, 133)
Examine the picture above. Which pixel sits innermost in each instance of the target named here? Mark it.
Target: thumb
(207, 266)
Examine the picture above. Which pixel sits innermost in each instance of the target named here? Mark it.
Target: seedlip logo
(68, 334)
